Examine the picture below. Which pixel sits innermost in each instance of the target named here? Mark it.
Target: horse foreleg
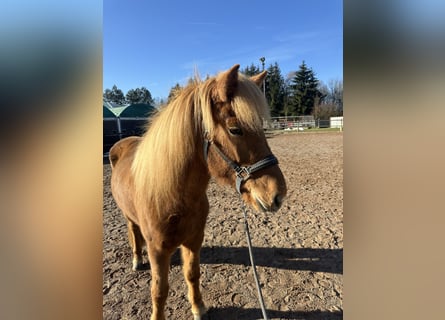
(192, 274)
(160, 264)
(136, 243)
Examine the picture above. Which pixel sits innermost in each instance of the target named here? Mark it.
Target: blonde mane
(171, 140)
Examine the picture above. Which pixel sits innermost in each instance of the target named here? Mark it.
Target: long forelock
(249, 105)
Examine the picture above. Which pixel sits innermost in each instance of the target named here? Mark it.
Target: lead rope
(242, 174)
(255, 275)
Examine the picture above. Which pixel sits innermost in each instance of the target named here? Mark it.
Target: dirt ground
(298, 250)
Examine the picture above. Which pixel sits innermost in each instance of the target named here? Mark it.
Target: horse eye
(235, 131)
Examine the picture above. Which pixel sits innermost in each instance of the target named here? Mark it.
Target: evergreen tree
(287, 108)
(132, 96)
(174, 92)
(251, 70)
(275, 90)
(145, 96)
(139, 95)
(303, 91)
(114, 95)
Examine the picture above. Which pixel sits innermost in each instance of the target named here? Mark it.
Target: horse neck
(196, 175)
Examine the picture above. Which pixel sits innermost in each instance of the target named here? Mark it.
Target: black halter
(242, 172)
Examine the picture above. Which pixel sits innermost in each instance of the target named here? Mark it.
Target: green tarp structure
(108, 113)
(123, 121)
(138, 110)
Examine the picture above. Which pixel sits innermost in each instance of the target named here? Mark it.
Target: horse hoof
(139, 266)
(201, 312)
(198, 317)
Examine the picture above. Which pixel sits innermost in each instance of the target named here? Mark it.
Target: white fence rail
(301, 123)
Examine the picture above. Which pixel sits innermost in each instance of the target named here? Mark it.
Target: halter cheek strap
(242, 173)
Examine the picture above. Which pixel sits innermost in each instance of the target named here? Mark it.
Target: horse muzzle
(266, 193)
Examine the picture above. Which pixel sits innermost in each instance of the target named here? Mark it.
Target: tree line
(299, 93)
(138, 95)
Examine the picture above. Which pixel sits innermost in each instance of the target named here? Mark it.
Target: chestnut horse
(212, 128)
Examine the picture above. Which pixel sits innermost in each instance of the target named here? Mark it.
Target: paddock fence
(301, 123)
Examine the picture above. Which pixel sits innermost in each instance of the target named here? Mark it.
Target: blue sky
(157, 44)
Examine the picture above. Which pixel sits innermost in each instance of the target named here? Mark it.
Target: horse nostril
(277, 200)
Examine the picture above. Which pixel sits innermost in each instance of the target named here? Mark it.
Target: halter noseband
(242, 173)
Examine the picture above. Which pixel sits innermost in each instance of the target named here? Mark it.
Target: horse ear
(226, 83)
(258, 79)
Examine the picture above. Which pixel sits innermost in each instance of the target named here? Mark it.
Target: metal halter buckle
(242, 173)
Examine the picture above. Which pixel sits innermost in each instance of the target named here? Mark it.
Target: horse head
(235, 146)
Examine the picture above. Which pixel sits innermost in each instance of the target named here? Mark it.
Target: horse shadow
(302, 259)
(237, 313)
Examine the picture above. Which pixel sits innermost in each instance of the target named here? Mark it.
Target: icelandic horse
(213, 128)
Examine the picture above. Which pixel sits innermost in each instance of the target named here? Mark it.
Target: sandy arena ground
(298, 250)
